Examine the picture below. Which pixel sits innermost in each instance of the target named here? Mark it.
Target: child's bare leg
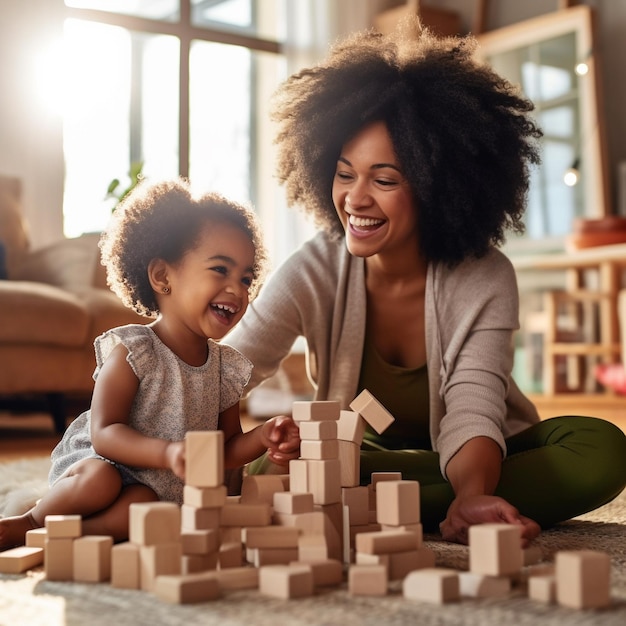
(114, 521)
(89, 486)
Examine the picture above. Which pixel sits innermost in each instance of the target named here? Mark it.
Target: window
(179, 85)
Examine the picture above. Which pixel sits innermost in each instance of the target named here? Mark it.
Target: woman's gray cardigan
(471, 315)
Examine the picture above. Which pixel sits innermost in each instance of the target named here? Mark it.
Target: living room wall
(31, 142)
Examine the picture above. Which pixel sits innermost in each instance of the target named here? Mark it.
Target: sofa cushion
(35, 313)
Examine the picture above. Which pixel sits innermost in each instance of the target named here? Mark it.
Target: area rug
(30, 600)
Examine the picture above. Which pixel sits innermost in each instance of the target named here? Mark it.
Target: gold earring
(166, 289)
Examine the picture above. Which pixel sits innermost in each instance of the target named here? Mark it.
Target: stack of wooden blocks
(288, 535)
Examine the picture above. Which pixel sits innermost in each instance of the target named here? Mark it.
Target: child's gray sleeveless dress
(173, 397)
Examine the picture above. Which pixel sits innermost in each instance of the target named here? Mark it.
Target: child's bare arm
(278, 435)
(112, 437)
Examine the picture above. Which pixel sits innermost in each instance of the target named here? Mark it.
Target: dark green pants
(554, 470)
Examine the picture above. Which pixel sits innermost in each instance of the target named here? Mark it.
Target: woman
(414, 160)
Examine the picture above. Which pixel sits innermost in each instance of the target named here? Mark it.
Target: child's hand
(281, 436)
(175, 458)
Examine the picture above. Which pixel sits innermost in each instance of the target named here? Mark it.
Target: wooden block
(203, 541)
(356, 499)
(400, 564)
(204, 458)
(350, 463)
(293, 503)
(372, 411)
(261, 489)
(542, 588)
(316, 411)
(362, 558)
(193, 518)
(532, 555)
(156, 560)
(58, 558)
(474, 585)
(425, 557)
(333, 528)
(205, 497)
(413, 528)
(154, 522)
(326, 573)
(437, 584)
(320, 522)
(351, 427)
(363, 528)
(312, 548)
(270, 537)
(367, 580)
(230, 555)
(318, 431)
(63, 526)
(125, 572)
(384, 542)
(196, 563)
(231, 534)
(583, 579)
(299, 476)
(246, 515)
(36, 538)
(495, 549)
(260, 557)
(236, 578)
(187, 589)
(398, 502)
(379, 477)
(347, 553)
(319, 449)
(286, 581)
(92, 558)
(323, 481)
(20, 559)
(311, 523)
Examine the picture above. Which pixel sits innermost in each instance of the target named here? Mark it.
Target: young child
(193, 263)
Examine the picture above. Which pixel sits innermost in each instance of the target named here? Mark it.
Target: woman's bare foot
(13, 530)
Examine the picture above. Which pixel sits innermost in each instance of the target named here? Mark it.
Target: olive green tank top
(404, 393)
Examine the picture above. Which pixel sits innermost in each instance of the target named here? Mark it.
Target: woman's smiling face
(372, 196)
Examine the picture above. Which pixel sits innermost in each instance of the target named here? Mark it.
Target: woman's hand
(281, 436)
(175, 458)
(482, 509)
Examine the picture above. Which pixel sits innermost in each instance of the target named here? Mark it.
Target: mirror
(542, 56)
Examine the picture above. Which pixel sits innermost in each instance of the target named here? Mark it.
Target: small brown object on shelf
(605, 231)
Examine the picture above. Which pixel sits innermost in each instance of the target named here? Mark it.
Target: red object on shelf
(605, 231)
(612, 376)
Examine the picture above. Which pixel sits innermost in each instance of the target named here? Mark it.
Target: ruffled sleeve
(235, 373)
(138, 340)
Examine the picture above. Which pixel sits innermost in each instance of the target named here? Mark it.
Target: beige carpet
(30, 600)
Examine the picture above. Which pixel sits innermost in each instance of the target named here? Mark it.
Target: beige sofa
(53, 303)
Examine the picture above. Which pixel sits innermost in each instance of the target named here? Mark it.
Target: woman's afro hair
(462, 134)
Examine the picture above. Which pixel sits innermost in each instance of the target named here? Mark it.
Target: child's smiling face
(210, 285)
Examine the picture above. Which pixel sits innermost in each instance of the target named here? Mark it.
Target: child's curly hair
(461, 132)
(164, 220)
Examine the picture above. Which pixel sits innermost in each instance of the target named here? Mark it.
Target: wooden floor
(609, 407)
